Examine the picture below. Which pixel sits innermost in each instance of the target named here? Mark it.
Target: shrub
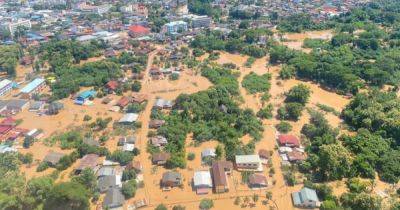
(266, 112)
(206, 204)
(136, 86)
(283, 127)
(129, 188)
(191, 156)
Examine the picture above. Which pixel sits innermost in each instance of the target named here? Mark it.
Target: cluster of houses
(290, 149)
(109, 175)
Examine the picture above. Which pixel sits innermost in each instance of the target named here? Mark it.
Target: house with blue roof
(34, 87)
(85, 95)
(306, 198)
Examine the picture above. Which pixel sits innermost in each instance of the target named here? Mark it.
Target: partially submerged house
(171, 179)
(288, 140)
(112, 86)
(84, 96)
(52, 158)
(257, 181)
(158, 141)
(88, 161)
(105, 183)
(219, 171)
(306, 198)
(33, 87)
(155, 124)
(248, 162)
(163, 104)
(202, 182)
(114, 199)
(264, 155)
(160, 158)
(129, 118)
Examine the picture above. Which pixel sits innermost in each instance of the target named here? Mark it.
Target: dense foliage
(9, 56)
(254, 83)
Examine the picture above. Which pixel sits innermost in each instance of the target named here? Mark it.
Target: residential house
(162, 104)
(17, 105)
(88, 161)
(264, 156)
(257, 181)
(129, 118)
(123, 102)
(288, 140)
(155, 124)
(5, 86)
(136, 31)
(84, 96)
(160, 158)
(136, 165)
(219, 171)
(306, 198)
(114, 199)
(52, 158)
(36, 106)
(171, 179)
(158, 141)
(107, 182)
(112, 86)
(296, 156)
(208, 153)
(106, 171)
(138, 98)
(202, 182)
(34, 87)
(248, 162)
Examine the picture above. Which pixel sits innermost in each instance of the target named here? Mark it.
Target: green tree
(206, 204)
(129, 188)
(67, 196)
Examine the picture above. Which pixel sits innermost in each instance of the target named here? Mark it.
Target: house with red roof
(112, 86)
(288, 140)
(138, 31)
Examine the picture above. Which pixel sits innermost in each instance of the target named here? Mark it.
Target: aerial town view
(199, 104)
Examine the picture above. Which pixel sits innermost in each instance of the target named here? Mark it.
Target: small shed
(114, 199)
(129, 118)
(52, 158)
(257, 181)
(171, 179)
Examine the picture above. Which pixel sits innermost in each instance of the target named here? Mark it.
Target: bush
(129, 188)
(191, 156)
(161, 207)
(283, 127)
(254, 83)
(206, 204)
(178, 207)
(266, 112)
(287, 72)
(87, 118)
(42, 166)
(174, 76)
(122, 157)
(136, 86)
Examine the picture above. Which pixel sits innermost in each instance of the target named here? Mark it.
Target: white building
(248, 162)
(5, 86)
(202, 181)
(176, 27)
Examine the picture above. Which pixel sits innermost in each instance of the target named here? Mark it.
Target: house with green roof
(305, 198)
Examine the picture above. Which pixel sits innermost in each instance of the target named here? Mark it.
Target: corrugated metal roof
(32, 85)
